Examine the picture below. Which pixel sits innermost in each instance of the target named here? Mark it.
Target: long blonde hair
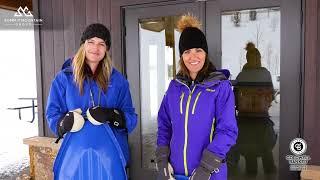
(103, 71)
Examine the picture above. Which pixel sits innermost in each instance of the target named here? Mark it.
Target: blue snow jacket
(194, 117)
(94, 152)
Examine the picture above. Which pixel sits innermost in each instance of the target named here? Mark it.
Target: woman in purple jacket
(196, 120)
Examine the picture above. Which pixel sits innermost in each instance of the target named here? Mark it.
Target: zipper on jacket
(186, 133)
(195, 102)
(183, 84)
(181, 101)
(212, 130)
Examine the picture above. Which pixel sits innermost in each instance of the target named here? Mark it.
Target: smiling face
(95, 50)
(194, 60)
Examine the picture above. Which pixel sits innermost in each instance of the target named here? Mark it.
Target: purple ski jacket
(197, 117)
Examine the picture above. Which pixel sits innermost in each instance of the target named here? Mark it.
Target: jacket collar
(213, 78)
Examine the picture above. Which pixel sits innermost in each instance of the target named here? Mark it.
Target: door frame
(117, 23)
(131, 16)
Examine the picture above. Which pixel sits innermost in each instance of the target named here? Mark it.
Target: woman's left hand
(99, 115)
(200, 174)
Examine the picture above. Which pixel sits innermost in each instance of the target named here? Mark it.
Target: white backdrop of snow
(18, 79)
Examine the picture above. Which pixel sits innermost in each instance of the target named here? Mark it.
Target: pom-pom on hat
(253, 57)
(251, 48)
(96, 30)
(191, 35)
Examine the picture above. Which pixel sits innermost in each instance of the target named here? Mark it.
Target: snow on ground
(13, 153)
(18, 79)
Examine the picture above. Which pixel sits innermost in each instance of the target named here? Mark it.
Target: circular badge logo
(298, 146)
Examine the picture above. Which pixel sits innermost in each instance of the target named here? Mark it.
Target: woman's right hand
(71, 122)
(165, 171)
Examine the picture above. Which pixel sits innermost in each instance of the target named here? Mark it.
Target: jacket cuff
(210, 161)
(123, 118)
(60, 127)
(162, 153)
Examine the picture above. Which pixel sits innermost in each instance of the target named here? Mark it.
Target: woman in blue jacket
(196, 120)
(90, 106)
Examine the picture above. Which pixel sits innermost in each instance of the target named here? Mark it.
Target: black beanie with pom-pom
(192, 37)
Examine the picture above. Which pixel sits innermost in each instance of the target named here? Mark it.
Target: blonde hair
(103, 71)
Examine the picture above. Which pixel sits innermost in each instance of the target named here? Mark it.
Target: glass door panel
(251, 52)
(266, 123)
(151, 59)
(157, 69)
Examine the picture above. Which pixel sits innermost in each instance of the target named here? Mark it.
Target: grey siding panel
(58, 35)
(312, 80)
(79, 20)
(39, 71)
(317, 122)
(104, 12)
(116, 36)
(91, 11)
(68, 17)
(47, 53)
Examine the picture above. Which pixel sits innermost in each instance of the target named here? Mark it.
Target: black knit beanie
(96, 30)
(192, 37)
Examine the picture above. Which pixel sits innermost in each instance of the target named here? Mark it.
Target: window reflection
(260, 26)
(251, 51)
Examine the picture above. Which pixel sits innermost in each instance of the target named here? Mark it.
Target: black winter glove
(71, 122)
(162, 156)
(209, 164)
(99, 115)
